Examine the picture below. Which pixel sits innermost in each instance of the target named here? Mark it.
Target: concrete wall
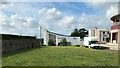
(46, 37)
(91, 33)
(73, 40)
(99, 34)
(57, 38)
(106, 35)
(119, 36)
(11, 43)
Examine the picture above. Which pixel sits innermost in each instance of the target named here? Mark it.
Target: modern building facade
(58, 37)
(115, 31)
(101, 34)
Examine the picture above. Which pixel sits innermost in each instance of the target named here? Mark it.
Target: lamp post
(40, 35)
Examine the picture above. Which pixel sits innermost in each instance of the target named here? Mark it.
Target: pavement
(110, 47)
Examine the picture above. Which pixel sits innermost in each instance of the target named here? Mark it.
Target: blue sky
(68, 8)
(61, 17)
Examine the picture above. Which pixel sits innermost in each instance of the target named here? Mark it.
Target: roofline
(115, 17)
(61, 34)
(17, 35)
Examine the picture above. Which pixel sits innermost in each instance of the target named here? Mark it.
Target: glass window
(103, 32)
(114, 36)
(117, 23)
(103, 39)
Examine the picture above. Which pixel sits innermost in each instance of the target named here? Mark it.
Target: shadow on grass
(102, 48)
(20, 51)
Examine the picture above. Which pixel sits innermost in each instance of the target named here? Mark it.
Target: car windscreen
(94, 42)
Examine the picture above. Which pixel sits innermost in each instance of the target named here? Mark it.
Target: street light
(40, 34)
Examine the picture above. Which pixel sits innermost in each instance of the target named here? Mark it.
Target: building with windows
(115, 31)
(58, 37)
(101, 34)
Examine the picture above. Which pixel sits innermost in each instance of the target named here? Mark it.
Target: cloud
(55, 20)
(19, 25)
(91, 21)
(6, 5)
(111, 8)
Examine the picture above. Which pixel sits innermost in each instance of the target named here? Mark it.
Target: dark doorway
(114, 36)
(32, 45)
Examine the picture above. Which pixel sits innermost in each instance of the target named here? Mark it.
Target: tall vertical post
(119, 21)
(40, 35)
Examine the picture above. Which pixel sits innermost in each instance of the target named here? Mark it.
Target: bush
(107, 39)
(69, 43)
(43, 45)
(64, 42)
(51, 43)
(77, 45)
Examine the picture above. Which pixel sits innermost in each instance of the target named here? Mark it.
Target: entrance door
(114, 37)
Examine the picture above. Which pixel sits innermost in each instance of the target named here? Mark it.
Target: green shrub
(77, 45)
(51, 42)
(107, 39)
(64, 42)
(69, 43)
(43, 45)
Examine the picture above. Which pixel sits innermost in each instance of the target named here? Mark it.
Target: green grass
(61, 56)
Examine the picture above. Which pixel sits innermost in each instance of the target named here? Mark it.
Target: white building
(101, 34)
(58, 37)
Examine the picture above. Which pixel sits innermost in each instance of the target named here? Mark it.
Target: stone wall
(11, 43)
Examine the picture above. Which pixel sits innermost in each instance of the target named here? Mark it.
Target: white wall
(73, 40)
(119, 36)
(91, 33)
(46, 37)
(103, 36)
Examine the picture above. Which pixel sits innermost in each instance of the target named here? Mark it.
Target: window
(103, 32)
(74, 38)
(114, 36)
(103, 39)
(108, 32)
(117, 23)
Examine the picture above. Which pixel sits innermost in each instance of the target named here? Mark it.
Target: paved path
(110, 47)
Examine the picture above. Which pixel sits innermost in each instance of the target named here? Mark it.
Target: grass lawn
(61, 56)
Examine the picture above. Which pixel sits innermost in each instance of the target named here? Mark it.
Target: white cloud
(113, 10)
(110, 8)
(54, 20)
(6, 5)
(18, 25)
(90, 22)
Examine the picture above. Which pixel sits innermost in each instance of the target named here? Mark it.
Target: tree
(51, 42)
(75, 32)
(81, 33)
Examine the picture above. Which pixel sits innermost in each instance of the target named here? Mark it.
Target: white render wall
(119, 37)
(46, 37)
(73, 40)
(106, 35)
(91, 33)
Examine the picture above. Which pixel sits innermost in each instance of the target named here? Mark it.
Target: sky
(25, 18)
